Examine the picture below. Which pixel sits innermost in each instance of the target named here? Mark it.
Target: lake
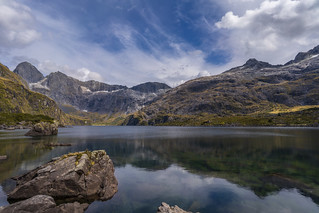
(198, 169)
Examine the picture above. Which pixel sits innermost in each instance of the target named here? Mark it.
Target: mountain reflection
(263, 159)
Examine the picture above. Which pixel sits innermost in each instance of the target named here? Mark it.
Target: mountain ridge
(255, 87)
(16, 97)
(94, 96)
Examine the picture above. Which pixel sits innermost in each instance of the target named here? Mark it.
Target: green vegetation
(94, 118)
(15, 98)
(306, 116)
(16, 118)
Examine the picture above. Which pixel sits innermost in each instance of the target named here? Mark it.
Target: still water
(198, 169)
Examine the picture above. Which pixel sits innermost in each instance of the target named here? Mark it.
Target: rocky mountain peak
(28, 72)
(150, 87)
(305, 55)
(255, 64)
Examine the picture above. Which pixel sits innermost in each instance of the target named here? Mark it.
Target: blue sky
(133, 41)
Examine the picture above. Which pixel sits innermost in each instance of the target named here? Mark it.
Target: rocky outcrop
(43, 204)
(3, 157)
(165, 208)
(43, 129)
(83, 177)
(28, 72)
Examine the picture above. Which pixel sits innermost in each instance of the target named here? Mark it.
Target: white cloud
(272, 31)
(82, 74)
(16, 25)
(275, 31)
(61, 49)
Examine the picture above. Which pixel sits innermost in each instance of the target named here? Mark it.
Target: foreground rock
(82, 176)
(165, 208)
(43, 129)
(43, 204)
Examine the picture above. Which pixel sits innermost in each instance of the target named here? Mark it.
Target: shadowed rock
(83, 177)
(43, 129)
(165, 208)
(28, 72)
(43, 204)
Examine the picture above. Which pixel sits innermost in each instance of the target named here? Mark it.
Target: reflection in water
(189, 167)
(143, 191)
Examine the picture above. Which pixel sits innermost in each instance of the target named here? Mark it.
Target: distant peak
(58, 73)
(304, 55)
(254, 63)
(28, 72)
(150, 87)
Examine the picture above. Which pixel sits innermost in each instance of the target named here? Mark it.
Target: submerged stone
(165, 208)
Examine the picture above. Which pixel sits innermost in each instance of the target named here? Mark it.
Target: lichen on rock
(82, 176)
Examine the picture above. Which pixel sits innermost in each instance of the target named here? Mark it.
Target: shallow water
(198, 169)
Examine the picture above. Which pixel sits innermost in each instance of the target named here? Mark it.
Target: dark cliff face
(28, 72)
(150, 87)
(252, 88)
(94, 96)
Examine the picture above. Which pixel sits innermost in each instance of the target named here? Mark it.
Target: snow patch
(40, 85)
(105, 91)
(85, 89)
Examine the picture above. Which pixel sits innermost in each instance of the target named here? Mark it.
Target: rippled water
(198, 169)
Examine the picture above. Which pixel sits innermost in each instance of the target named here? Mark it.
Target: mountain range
(256, 93)
(252, 89)
(91, 96)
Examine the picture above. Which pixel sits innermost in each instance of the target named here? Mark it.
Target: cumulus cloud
(16, 25)
(83, 74)
(274, 31)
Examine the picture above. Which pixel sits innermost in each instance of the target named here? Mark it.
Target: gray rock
(43, 129)
(75, 207)
(28, 72)
(43, 204)
(165, 208)
(82, 176)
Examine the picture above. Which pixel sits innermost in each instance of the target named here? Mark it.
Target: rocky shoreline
(73, 181)
(14, 127)
(68, 184)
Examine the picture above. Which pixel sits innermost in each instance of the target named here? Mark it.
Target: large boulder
(43, 204)
(82, 176)
(165, 208)
(43, 129)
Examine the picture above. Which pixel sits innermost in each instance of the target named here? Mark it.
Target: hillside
(252, 90)
(17, 98)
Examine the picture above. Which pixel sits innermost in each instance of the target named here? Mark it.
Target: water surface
(198, 169)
